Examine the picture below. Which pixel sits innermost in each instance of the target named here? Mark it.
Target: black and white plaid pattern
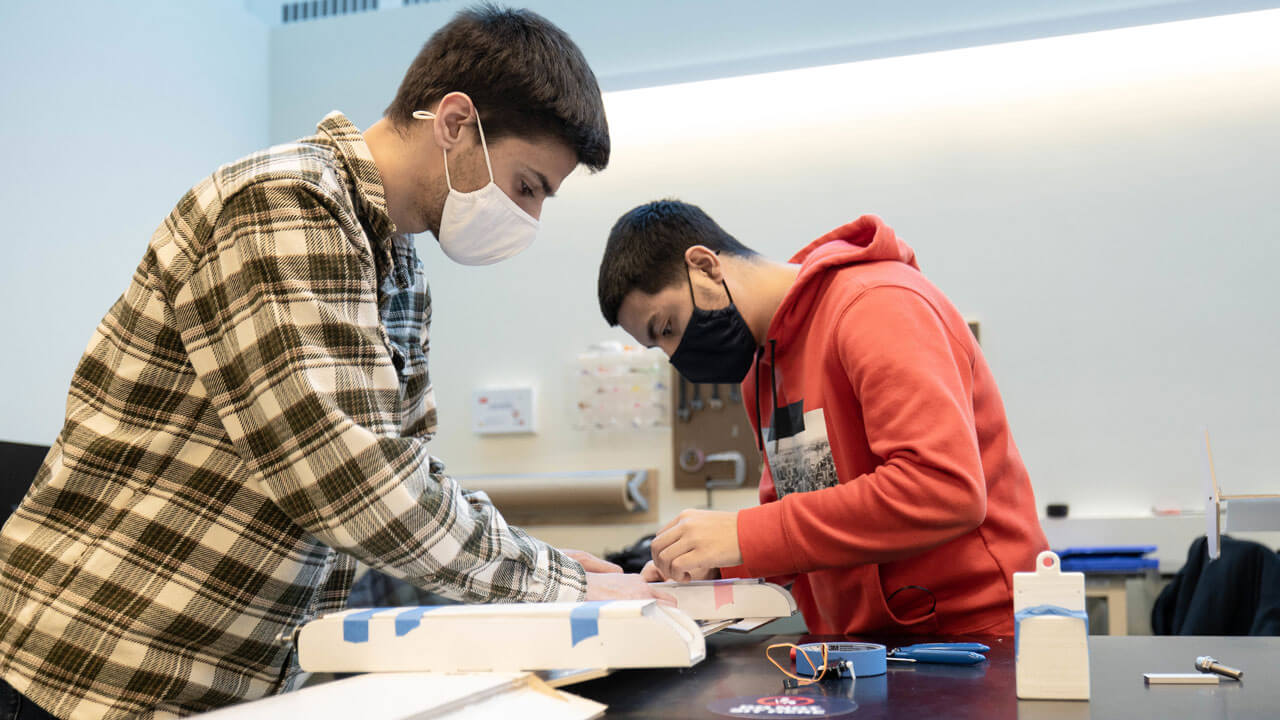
(251, 414)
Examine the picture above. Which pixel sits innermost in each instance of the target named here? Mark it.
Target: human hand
(591, 563)
(695, 542)
(624, 586)
(650, 574)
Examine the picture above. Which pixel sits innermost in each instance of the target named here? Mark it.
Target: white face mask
(484, 226)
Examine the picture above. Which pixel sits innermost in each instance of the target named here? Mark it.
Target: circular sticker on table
(782, 706)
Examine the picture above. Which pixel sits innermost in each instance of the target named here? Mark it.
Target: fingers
(674, 521)
(689, 566)
(607, 586)
(679, 526)
(683, 517)
(665, 598)
(668, 556)
(662, 540)
(692, 545)
(661, 546)
(591, 563)
(650, 573)
(621, 586)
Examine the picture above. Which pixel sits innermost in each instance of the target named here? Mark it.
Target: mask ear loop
(427, 115)
(688, 275)
(483, 144)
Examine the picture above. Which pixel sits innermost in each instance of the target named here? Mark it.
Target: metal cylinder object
(1206, 664)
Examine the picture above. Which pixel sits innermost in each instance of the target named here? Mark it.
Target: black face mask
(717, 346)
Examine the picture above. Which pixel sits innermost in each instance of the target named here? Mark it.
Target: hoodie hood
(865, 240)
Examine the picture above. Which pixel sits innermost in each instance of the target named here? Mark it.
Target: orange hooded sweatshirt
(894, 496)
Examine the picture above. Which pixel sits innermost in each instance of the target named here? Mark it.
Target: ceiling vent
(292, 12)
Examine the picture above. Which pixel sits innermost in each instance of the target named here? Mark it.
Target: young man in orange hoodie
(893, 498)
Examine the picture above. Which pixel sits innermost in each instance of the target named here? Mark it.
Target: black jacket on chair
(1237, 594)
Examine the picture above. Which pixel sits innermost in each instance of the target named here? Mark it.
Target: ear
(702, 259)
(454, 112)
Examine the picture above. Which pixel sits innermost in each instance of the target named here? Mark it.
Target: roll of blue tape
(868, 658)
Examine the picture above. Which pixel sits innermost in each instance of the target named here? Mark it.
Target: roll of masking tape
(868, 659)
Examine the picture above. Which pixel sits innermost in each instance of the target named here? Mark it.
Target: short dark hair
(525, 75)
(646, 248)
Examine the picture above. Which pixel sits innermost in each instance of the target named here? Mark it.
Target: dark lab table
(735, 667)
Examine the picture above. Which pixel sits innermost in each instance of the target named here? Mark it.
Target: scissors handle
(958, 647)
(944, 657)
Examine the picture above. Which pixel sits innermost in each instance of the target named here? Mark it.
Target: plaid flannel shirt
(249, 416)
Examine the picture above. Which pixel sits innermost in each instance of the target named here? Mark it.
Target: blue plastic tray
(1113, 564)
(1110, 550)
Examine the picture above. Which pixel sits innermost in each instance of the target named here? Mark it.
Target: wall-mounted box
(502, 411)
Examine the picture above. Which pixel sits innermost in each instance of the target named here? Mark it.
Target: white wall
(1103, 203)
(110, 112)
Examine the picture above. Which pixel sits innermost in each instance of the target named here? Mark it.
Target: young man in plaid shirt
(252, 415)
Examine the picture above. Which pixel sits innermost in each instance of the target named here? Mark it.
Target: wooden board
(709, 430)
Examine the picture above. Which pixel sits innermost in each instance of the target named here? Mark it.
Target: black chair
(1237, 594)
(19, 463)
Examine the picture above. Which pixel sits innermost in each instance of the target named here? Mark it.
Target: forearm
(385, 506)
(895, 512)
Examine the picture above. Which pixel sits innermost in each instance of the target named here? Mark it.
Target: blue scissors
(943, 653)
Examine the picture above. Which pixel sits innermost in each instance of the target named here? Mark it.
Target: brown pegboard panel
(713, 421)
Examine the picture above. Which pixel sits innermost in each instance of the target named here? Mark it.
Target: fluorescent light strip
(1024, 70)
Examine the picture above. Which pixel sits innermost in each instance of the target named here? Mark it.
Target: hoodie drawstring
(773, 400)
(759, 427)
(773, 390)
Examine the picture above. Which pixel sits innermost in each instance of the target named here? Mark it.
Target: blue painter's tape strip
(584, 621)
(1041, 610)
(355, 627)
(411, 618)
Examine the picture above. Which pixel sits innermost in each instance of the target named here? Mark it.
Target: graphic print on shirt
(800, 455)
